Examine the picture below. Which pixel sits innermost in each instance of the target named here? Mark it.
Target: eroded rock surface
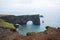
(49, 34)
(22, 20)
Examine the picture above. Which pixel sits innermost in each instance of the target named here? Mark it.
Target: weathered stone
(49, 34)
(4, 24)
(22, 20)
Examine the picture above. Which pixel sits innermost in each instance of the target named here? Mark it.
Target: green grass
(3, 14)
(4, 24)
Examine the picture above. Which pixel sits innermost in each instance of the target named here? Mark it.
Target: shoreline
(8, 32)
(49, 34)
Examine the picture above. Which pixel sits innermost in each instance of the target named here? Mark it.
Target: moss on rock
(5, 24)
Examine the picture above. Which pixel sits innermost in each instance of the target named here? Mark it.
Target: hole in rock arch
(29, 22)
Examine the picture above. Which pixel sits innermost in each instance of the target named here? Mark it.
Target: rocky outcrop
(49, 34)
(8, 34)
(22, 20)
(4, 24)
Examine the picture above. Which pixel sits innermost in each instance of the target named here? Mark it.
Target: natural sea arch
(29, 22)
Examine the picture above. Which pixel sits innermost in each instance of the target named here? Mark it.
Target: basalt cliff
(8, 31)
(22, 19)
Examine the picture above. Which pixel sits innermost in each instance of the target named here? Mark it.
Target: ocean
(50, 19)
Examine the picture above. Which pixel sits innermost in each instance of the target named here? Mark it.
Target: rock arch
(22, 20)
(29, 22)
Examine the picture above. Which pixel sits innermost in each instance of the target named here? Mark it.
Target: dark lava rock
(22, 20)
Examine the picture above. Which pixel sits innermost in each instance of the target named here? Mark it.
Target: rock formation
(49, 34)
(22, 20)
(4, 24)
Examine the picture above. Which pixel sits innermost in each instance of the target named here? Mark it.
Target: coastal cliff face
(49, 34)
(22, 20)
(4, 24)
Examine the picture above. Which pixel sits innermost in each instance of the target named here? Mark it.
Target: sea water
(50, 19)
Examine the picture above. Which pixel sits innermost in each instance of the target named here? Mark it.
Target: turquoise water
(30, 28)
(50, 19)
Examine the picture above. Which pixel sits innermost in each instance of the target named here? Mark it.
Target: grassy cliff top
(4, 24)
(3, 14)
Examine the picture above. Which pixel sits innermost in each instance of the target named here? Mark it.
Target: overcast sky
(18, 5)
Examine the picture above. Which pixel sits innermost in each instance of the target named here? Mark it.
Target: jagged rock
(53, 33)
(49, 34)
(7, 34)
(22, 20)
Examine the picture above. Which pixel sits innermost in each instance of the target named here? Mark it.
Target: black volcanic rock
(22, 20)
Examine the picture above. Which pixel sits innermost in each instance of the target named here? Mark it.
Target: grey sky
(14, 5)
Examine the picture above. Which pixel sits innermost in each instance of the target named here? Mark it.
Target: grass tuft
(5, 24)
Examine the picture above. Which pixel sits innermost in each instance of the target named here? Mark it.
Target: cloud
(18, 5)
(28, 3)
